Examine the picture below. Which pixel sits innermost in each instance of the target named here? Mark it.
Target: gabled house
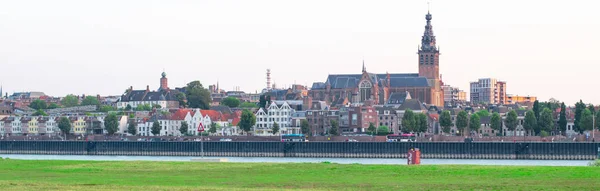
(274, 113)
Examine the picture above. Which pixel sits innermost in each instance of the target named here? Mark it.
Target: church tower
(429, 65)
(164, 85)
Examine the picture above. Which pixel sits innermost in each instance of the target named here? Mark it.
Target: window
(365, 90)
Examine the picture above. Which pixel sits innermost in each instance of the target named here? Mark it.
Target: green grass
(118, 175)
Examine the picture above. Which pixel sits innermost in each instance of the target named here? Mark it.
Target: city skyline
(107, 48)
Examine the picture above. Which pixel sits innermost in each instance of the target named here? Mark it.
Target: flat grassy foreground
(118, 175)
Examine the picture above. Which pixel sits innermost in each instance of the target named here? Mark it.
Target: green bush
(544, 134)
(595, 163)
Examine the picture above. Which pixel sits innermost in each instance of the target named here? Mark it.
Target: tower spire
(428, 42)
(364, 69)
(428, 6)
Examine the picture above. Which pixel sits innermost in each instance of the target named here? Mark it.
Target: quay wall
(429, 150)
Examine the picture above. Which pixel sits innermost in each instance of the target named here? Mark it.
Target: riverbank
(149, 175)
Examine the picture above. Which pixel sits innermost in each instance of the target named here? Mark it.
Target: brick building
(356, 119)
(358, 88)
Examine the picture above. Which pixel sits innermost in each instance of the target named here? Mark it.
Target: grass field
(118, 175)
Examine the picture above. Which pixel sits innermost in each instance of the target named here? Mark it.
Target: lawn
(138, 175)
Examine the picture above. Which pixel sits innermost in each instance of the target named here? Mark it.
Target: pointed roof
(212, 114)
(412, 104)
(180, 114)
(364, 69)
(428, 42)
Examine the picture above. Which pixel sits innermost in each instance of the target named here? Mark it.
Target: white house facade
(277, 112)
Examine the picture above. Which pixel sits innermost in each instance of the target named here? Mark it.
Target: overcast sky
(541, 48)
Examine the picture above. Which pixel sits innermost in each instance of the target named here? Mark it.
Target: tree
(40, 112)
(213, 127)
(183, 129)
(586, 121)
(69, 101)
(90, 100)
(421, 124)
(275, 129)
(546, 121)
(536, 109)
(38, 104)
(383, 130)
(304, 127)
(334, 127)
(462, 121)
(530, 122)
(128, 108)
(111, 124)
(248, 105)
(106, 108)
(247, 120)
(52, 106)
(592, 108)
(156, 106)
(496, 123)
(180, 97)
(474, 123)
(562, 119)
(446, 121)
(579, 107)
(262, 101)
(483, 113)
(144, 107)
(408, 121)
(155, 130)
(511, 121)
(371, 128)
(230, 102)
(64, 124)
(197, 96)
(132, 129)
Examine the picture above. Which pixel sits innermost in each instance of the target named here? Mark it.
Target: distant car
(225, 140)
(351, 140)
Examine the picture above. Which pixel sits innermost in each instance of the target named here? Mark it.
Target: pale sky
(542, 48)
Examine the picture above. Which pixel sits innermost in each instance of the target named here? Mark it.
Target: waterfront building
(78, 125)
(278, 112)
(355, 119)
(388, 117)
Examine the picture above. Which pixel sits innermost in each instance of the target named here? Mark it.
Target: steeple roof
(428, 40)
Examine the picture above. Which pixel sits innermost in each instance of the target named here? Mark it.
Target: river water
(307, 160)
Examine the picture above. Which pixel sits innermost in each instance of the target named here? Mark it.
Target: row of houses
(170, 123)
(356, 119)
(48, 125)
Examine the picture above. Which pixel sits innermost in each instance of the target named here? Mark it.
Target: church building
(380, 88)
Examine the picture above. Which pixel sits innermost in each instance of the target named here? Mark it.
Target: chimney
(147, 88)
